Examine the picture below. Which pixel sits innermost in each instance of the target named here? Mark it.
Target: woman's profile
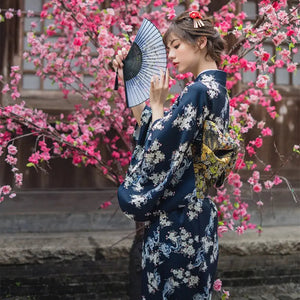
(164, 185)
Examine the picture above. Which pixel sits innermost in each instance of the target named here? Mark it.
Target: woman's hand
(118, 66)
(118, 62)
(159, 90)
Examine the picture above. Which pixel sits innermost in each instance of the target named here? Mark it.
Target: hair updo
(183, 27)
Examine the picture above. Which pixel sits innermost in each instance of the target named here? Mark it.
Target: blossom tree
(88, 36)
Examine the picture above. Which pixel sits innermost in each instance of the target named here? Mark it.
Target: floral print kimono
(164, 187)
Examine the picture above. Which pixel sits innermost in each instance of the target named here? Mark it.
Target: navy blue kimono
(162, 187)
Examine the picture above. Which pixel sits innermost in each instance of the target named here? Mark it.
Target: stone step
(94, 265)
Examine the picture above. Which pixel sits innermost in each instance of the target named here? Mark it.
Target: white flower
(138, 200)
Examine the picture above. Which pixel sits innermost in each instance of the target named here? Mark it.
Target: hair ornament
(197, 18)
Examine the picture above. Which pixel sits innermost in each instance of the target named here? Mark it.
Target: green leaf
(126, 36)
(2, 19)
(273, 59)
(30, 165)
(291, 46)
(170, 96)
(249, 164)
(236, 205)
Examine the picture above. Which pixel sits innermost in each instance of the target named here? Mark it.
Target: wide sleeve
(160, 152)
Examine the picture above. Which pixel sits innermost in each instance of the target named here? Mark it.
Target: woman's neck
(206, 65)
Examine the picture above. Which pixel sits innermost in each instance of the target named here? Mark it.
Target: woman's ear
(202, 41)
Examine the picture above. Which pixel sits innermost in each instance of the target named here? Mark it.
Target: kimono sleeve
(157, 158)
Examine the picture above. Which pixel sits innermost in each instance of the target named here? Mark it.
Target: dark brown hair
(183, 27)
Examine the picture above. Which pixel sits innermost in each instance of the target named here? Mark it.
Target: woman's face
(184, 56)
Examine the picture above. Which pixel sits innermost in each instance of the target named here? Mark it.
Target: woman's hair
(183, 27)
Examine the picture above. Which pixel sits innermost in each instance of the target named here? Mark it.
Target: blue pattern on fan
(146, 58)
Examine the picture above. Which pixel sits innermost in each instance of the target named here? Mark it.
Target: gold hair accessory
(197, 18)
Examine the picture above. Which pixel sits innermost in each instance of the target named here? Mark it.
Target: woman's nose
(171, 55)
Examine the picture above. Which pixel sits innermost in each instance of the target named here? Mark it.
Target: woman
(163, 185)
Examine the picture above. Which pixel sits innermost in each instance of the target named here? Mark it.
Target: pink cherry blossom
(217, 285)
(257, 188)
(267, 168)
(240, 230)
(9, 15)
(259, 203)
(291, 67)
(268, 184)
(262, 81)
(277, 180)
(5, 190)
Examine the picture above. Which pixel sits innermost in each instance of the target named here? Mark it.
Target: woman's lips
(175, 64)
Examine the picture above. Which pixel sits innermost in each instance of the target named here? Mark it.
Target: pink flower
(34, 158)
(262, 81)
(240, 230)
(33, 24)
(12, 150)
(291, 67)
(285, 54)
(256, 175)
(250, 150)
(277, 180)
(266, 131)
(44, 14)
(104, 170)
(237, 192)
(259, 203)
(240, 164)
(77, 41)
(11, 160)
(105, 204)
(130, 130)
(115, 154)
(8, 15)
(258, 142)
(265, 56)
(267, 168)
(5, 89)
(18, 179)
(194, 5)
(261, 124)
(6, 189)
(217, 285)
(279, 38)
(80, 17)
(222, 229)
(268, 184)
(257, 188)
(14, 69)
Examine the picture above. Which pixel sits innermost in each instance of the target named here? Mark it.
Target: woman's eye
(177, 46)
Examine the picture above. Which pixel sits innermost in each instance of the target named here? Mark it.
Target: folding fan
(146, 57)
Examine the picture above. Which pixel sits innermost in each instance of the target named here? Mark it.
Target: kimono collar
(219, 76)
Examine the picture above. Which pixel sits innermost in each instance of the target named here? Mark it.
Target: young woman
(163, 185)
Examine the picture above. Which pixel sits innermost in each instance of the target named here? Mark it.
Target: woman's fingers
(166, 82)
(118, 61)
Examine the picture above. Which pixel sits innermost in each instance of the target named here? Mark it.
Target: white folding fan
(146, 57)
